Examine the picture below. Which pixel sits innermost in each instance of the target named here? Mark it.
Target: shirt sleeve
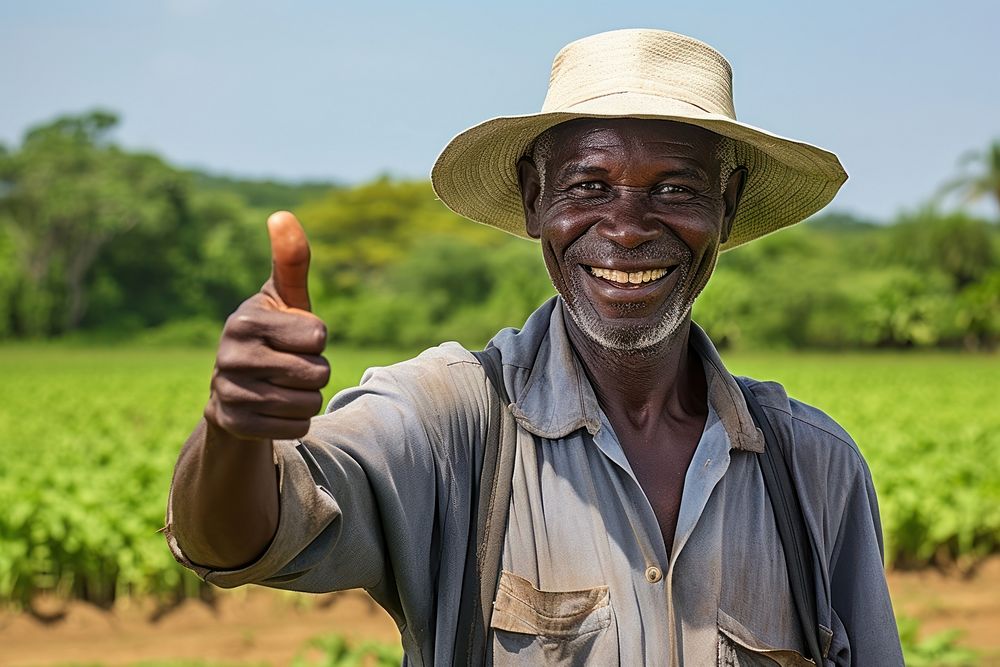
(858, 588)
(839, 504)
(360, 493)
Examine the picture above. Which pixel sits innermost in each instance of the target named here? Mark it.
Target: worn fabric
(377, 496)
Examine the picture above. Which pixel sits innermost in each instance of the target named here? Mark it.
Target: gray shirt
(376, 496)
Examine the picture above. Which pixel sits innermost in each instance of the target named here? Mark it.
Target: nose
(629, 223)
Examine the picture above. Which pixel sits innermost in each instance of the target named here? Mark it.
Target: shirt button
(653, 574)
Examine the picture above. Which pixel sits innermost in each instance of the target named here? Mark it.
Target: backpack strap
(490, 495)
(792, 530)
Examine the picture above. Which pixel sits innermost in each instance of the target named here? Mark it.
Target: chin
(631, 327)
(627, 334)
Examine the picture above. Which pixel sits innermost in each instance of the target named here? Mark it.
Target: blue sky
(348, 90)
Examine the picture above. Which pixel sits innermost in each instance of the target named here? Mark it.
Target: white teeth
(635, 278)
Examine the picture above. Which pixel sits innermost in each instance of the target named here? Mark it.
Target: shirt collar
(725, 395)
(552, 396)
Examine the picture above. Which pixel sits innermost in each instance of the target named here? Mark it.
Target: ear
(731, 196)
(531, 192)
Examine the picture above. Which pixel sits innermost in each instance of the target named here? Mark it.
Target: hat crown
(657, 63)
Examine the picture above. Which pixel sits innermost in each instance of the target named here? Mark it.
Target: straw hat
(638, 74)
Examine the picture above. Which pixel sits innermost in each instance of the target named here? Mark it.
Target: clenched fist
(269, 370)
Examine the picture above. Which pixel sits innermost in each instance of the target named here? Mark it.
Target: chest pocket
(531, 626)
(739, 647)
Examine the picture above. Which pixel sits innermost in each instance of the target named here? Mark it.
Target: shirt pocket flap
(739, 646)
(522, 608)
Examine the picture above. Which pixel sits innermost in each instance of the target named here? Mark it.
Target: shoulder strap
(490, 495)
(792, 530)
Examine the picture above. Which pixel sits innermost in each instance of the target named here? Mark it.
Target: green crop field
(929, 426)
(88, 437)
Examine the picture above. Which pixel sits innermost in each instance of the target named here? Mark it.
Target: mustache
(588, 249)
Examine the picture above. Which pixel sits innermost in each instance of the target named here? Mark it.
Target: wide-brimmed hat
(638, 74)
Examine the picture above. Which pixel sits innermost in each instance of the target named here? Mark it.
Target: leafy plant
(938, 650)
(335, 651)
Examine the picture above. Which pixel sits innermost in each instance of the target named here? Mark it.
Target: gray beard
(619, 335)
(624, 338)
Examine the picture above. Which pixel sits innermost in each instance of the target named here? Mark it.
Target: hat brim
(787, 180)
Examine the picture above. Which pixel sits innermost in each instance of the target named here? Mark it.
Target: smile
(623, 278)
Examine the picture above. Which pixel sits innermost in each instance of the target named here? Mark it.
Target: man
(639, 528)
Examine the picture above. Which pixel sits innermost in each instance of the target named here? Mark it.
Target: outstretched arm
(266, 385)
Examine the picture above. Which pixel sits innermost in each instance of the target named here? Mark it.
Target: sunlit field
(88, 437)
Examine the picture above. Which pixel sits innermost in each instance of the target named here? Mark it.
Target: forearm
(225, 498)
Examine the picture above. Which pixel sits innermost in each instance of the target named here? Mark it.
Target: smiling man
(630, 217)
(637, 522)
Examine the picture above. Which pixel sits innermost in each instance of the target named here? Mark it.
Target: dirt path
(251, 626)
(942, 602)
(259, 626)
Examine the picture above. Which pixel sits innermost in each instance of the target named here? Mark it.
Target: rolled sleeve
(370, 494)
(306, 509)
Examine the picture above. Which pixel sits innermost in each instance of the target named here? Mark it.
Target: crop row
(88, 438)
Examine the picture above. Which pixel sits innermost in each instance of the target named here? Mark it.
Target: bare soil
(270, 627)
(941, 602)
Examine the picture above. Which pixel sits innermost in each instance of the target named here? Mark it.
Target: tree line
(97, 241)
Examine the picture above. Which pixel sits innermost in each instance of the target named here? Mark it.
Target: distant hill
(839, 221)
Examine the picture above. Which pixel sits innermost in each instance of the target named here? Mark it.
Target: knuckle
(220, 385)
(240, 323)
(231, 322)
(315, 403)
(227, 359)
(244, 323)
(250, 308)
(323, 371)
(319, 335)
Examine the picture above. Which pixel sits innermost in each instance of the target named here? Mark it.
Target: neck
(662, 382)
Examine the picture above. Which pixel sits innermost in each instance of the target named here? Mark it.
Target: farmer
(639, 527)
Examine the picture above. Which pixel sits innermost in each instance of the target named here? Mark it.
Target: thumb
(289, 259)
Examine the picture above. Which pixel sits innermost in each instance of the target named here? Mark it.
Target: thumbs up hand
(269, 370)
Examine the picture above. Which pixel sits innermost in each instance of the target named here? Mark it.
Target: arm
(375, 495)
(266, 385)
(225, 497)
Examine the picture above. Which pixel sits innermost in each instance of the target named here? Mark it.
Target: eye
(588, 190)
(668, 189)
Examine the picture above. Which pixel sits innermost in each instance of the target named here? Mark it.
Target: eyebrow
(689, 172)
(581, 169)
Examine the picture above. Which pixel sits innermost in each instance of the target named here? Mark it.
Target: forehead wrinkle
(657, 149)
(670, 142)
(583, 166)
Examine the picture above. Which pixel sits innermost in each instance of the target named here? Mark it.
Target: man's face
(630, 215)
